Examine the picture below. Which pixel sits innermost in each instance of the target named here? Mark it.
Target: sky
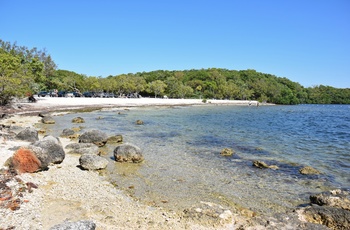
(305, 41)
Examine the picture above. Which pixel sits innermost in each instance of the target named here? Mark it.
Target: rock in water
(78, 120)
(139, 122)
(97, 137)
(48, 120)
(227, 152)
(115, 139)
(128, 153)
(260, 164)
(308, 170)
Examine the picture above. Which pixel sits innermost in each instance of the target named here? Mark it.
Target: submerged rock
(261, 165)
(308, 170)
(227, 152)
(48, 120)
(78, 120)
(139, 122)
(128, 153)
(115, 139)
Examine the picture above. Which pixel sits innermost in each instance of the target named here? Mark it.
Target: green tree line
(25, 71)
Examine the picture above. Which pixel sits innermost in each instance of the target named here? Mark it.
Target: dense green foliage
(24, 71)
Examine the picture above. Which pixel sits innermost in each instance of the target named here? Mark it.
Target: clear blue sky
(307, 41)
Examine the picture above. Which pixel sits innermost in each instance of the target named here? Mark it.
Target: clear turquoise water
(182, 148)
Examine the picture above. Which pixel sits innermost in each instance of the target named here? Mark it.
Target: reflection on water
(182, 150)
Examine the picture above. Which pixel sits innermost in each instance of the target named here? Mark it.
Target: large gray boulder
(128, 153)
(82, 148)
(80, 225)
(49, 150)
(92, 162)
(97, 137)
(28, 134)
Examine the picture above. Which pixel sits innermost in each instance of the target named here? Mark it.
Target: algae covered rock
(227, 152)
(78, 120)
(308, 170)
(48, 120)
(25, 161)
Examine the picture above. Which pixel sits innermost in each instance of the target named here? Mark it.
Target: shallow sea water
(183, 165)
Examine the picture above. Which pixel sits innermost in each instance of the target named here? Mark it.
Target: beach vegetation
(157, 87)
(25, 71)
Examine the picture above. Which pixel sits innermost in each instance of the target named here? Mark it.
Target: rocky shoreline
(66, 193)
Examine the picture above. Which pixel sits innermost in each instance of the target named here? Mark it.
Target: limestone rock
(92, 162)
(308, 170)
(115, 139)
(78, 120)
(333, 218)
(28, 134)
(227, 152)
(139, 122)
(128, 153)
(82, 148)
(25, 161)
(260, 164)
(67, 132)
(48, 120)
(97, 137)
(49, 150)
(334, 198)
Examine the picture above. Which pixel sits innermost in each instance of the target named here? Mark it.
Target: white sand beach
(61, 103)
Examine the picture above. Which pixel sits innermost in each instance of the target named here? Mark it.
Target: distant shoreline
(50, 104)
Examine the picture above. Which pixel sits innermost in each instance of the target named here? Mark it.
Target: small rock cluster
(40, 154)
